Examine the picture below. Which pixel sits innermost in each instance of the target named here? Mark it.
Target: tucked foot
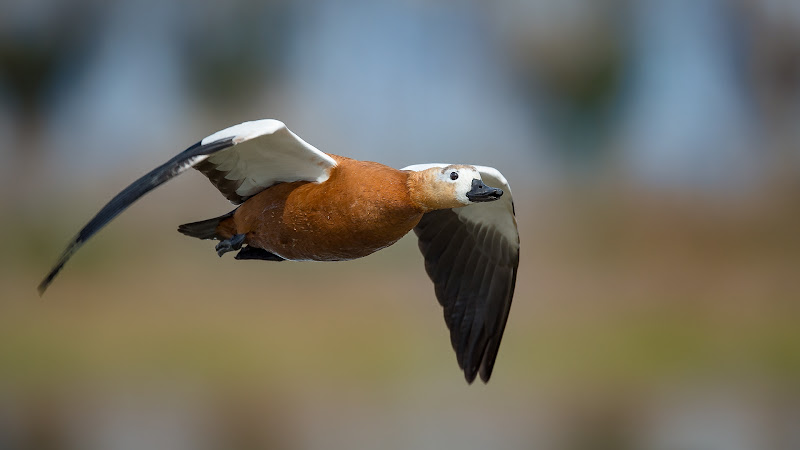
(229, 245)
(249, 252)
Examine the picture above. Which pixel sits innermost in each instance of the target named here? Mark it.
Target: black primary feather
(474, 271)
(130, 194)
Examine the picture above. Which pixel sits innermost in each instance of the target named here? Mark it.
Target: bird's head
(450, 187)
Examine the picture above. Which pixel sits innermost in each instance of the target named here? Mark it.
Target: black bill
(482, 193)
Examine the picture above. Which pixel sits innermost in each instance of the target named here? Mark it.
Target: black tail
(205, 229)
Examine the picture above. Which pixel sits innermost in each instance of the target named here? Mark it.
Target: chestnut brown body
(363, 207)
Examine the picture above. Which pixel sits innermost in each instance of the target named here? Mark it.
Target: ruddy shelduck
(300, 204)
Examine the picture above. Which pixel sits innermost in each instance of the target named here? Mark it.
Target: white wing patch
(264, 153)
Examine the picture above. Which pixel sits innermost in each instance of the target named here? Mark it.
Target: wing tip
(486, 370)
(485, 373)
(483, 367)
(73, 246)
(470, 377)
(42, 287)
(49, 279)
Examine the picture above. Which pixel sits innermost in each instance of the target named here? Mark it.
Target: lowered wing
(471, 255)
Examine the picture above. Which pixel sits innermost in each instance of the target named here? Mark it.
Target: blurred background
(653, 149)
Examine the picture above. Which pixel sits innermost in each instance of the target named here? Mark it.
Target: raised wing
(265, 152)
(240, 161)
(471, 255)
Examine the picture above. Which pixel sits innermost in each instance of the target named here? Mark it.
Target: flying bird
(297, 203)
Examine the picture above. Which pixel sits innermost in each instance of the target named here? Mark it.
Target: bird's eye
(453, 175)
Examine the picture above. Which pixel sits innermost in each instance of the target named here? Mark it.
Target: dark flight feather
(130, 194)
(473, 270)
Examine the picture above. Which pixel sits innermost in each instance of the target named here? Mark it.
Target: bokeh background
(653, 148)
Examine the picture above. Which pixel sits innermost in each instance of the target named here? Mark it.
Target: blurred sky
(682, 93)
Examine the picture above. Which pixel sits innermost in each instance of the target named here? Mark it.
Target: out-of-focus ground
(652, 149)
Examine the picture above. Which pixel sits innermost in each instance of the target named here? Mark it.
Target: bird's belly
(299, 229)
(318, 239)
(308, 248)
